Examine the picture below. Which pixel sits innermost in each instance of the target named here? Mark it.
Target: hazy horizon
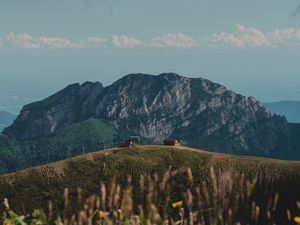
(252, 47)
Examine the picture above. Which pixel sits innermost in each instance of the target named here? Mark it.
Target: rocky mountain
(289, 109)
(202, 113)
(6, 119)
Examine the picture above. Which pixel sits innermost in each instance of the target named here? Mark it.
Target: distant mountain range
(6, 119)
(203, 114)
(289, 109)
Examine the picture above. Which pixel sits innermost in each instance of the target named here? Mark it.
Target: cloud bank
(243, 37)
(126, 42)
(177, 40)
(253, 37)
(25, 40)
(290, 36)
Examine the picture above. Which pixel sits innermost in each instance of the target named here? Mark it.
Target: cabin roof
(172, 140)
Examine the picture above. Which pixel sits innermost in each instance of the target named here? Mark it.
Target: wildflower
(177, 204)
(297, 219)
(102, 214)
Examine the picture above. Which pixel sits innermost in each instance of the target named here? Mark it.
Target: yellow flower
(177, 204)
(297, 219)
(102, 214)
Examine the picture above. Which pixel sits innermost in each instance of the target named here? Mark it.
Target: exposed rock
(202, 113)
(72, 104)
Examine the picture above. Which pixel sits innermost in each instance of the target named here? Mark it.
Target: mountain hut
(172, 142)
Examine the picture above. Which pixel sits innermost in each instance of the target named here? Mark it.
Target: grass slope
(32, 188)
(74, 140)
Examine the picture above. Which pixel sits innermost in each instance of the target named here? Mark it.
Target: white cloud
(289, 36)
(56, 42)
(126, 42)
(91, 42)
(94, 41)
(252, 37)
(175, 40)
(24, 40)
(244, 37)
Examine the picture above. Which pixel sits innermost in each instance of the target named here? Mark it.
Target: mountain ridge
(202, 113)
(289, 109)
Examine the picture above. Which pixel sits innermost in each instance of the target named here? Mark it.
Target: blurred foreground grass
(223, 199)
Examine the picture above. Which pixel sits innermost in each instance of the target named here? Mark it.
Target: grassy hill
(33, 188)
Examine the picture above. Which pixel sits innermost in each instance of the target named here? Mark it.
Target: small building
(172, 142)
(130, 141)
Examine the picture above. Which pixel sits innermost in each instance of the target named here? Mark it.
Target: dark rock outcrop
(202, 113)
(74, 103)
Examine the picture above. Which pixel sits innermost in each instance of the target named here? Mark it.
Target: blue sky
(252, 47)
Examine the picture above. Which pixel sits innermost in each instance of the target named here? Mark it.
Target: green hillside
(76, 139)
(33, 188)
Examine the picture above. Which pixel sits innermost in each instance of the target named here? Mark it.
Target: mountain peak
(202, 113)
(146, 77)
(170, 75)
(91, 84)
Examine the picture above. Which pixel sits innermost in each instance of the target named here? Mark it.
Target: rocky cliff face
(73, 104)
(202, 113)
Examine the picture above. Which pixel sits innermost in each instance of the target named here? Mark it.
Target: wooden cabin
(172, 142)
(130, 141)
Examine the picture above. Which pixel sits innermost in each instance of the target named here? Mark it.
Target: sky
(251, 47)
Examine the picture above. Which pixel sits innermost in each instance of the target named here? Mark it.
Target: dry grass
(140, 185)
(225, 199)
